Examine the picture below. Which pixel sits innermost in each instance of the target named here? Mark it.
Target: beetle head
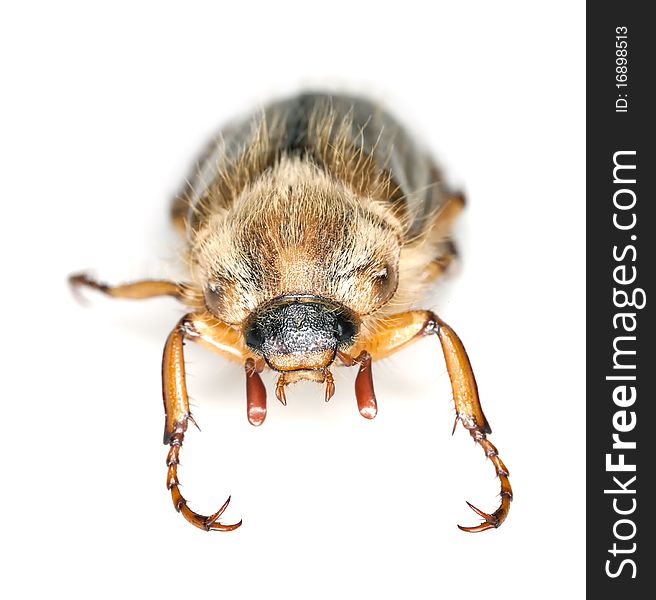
(299, 333)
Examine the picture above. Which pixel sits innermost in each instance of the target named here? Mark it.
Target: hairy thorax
(296, 230)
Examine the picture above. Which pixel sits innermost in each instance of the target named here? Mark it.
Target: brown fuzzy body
(312, 229)
(316, 195)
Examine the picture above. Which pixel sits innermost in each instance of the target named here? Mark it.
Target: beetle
(311, 230)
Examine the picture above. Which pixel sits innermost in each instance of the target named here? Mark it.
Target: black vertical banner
(621, 265)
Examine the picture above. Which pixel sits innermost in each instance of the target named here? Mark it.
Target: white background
(103, 113)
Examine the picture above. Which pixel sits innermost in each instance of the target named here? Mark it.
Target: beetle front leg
(401, 330)
(176, 408)
(470, 413)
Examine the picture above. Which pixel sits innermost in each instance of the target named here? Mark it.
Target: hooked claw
(494, 520)
(490, 521)
(209, 523)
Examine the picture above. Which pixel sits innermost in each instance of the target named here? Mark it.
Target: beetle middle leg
(140, 290)
(401, 330)
(441, 230)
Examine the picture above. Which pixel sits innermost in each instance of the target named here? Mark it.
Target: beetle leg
(436, 268)
(140, 290)
(441, 231)
(470, 414)
(209, 332)
(400, 330)
(176, 408)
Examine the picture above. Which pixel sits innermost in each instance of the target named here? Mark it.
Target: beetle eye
(254, 336)
(214, 295)
(385, 282)
(344, 329)
(213, 290)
